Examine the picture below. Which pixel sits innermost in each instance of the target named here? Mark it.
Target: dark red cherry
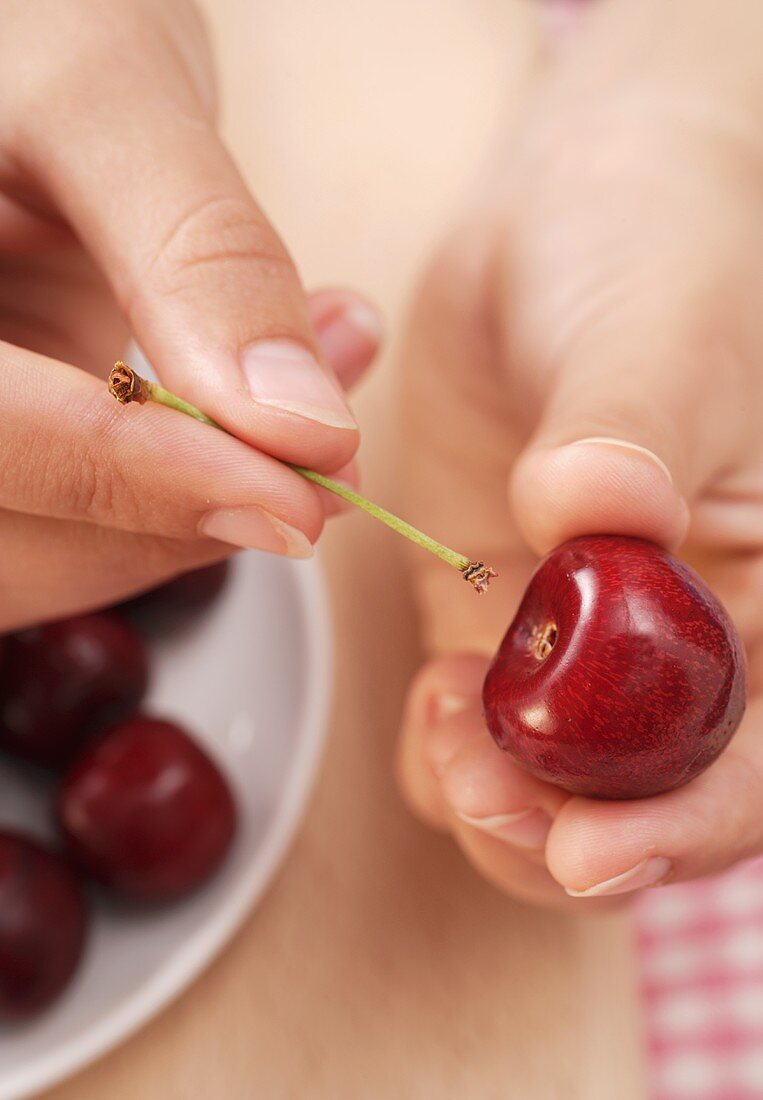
(43, 925)
(175, 604)
(621, 675)
(63, 682)
(146, 812)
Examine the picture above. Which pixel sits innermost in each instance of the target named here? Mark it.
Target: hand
(121, 211)
(593, 332)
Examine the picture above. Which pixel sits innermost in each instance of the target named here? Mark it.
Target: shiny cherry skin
(621, 675)
(146, 812)
(175, 604)
(64, 682)
(43, 926)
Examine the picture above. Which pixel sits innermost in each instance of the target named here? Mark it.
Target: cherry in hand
(64, 682)
(621, 675)
(43, 925)
(146, 812)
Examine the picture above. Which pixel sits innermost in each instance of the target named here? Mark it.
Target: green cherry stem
(127, 386)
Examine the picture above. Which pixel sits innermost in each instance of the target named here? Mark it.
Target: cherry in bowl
(176, 603)
(43, 926)
(63, 682)
(146, 812)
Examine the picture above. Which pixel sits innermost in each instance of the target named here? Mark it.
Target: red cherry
(621, 675)
(63, 682)
(43, 924)
(146, 812)
(173, 605)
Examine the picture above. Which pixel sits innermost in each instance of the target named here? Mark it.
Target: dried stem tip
(478, 575)
(127, 386)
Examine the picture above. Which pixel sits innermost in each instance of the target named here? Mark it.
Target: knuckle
(88, 492)
(217, 232)
(98, 491)
(96, 481)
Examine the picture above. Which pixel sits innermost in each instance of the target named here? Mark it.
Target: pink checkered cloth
(701, 951)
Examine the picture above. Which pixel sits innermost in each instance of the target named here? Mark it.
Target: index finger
(70, 452)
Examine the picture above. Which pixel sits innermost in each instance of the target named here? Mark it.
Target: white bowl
(251, 679)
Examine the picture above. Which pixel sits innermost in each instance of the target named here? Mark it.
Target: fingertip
(596, 486)
(441, 693)
(597, 848)
(349, 331)
(458, 675)
(579, 838)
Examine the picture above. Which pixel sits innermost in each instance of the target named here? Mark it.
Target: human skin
(590, 337)
(122, 212)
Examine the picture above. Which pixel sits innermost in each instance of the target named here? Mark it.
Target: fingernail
(611, 441)
(446, 704)
(284, 375)
(524, 829)
(255, 529)
(649, 872)
(350, 336)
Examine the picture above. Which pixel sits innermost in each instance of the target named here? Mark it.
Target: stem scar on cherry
(128, 387)
(543, 640)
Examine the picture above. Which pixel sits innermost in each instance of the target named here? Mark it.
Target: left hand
(121, 210)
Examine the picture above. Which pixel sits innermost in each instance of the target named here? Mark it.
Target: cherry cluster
(140, 809)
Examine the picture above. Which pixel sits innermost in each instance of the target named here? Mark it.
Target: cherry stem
(127, 386)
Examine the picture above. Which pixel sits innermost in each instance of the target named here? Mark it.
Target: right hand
(121, 212)
(591, 341)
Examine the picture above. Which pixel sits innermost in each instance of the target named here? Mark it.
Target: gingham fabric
(701, 952)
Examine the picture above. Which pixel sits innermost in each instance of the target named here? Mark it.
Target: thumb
(630, 430)
(628, 288)
(208, 287)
